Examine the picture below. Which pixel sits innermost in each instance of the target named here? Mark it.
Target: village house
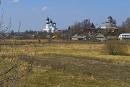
(78, 37)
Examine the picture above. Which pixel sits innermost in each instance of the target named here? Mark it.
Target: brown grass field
(61, 64)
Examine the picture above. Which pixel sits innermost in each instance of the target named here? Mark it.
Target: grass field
(62, 65)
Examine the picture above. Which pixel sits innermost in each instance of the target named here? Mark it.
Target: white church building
(50, 26)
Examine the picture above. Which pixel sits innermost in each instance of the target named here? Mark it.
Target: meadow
(28, 63)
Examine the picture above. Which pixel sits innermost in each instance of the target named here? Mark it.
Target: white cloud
(15, 1)
(44, 8)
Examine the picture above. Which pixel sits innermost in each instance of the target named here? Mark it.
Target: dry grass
(115, 47)
(70, 65)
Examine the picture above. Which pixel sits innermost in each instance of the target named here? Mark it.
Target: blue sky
(32, 13)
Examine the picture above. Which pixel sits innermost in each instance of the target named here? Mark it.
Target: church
(110, 25)
(50, 26)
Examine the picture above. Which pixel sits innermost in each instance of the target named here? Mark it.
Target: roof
(125, 34)
(78, 36)
(100, 35)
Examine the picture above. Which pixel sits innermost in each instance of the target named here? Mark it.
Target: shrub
(115, 47)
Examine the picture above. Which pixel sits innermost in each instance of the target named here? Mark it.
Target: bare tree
(0, 2)
(125, 26)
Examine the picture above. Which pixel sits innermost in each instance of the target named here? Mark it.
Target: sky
(32, 13)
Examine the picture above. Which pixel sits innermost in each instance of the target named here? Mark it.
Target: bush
(115, 47)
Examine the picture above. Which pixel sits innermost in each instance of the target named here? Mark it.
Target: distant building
(50, 26)
(124, 36)
(110, 25)
(78, 37)
(100, 37)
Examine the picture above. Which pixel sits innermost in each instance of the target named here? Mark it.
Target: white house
(124, 36)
